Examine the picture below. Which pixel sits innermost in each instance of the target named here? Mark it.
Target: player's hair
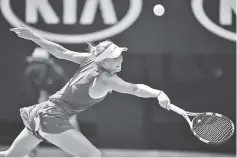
(90, 47)
(93, 49)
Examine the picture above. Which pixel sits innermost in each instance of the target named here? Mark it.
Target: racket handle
(177, 109)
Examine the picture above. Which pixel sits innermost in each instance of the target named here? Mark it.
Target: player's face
(113, 65)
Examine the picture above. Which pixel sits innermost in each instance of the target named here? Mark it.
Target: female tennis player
(90, 84)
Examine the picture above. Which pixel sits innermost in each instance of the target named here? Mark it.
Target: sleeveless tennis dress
(52, 116)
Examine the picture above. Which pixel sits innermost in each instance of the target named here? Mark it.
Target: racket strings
(212, 128)
(216, 131)
(215, 128)
(212, 132)
(220, 131)
(208, 127)
(223, 130)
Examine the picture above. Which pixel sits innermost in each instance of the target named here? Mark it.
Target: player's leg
(73, 142)
(22, 145)
(74, 122)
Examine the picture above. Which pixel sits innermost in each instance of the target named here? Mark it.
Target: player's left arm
(53, 48)
(59, 51)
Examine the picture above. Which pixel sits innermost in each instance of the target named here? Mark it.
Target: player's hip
(47, 116)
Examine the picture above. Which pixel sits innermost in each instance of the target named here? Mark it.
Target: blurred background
(189, 53)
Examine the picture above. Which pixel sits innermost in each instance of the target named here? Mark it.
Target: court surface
(56, 152)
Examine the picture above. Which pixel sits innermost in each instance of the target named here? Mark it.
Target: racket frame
(185, 114)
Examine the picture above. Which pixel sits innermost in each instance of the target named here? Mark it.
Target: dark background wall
(174, 53)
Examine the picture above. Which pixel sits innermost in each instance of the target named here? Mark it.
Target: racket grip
(177, 109)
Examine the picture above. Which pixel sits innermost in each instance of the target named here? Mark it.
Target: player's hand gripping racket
(209, 127)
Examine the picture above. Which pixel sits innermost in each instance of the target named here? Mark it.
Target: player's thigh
(72, 142)
(74, 122)
(23, 144)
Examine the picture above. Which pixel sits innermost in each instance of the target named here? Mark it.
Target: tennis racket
(209, 127)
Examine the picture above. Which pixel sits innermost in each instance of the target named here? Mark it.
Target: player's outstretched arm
(53, 48)
(117, 84)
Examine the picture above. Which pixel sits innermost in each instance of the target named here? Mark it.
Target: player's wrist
(159, 93)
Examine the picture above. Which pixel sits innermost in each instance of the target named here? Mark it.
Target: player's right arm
(115, 83)
(51, 47)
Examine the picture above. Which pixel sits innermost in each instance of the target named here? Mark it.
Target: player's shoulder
(88, 60)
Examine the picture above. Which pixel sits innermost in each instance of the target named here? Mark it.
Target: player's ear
(101, 63)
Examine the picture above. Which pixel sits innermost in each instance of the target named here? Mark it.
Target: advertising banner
(187, 26)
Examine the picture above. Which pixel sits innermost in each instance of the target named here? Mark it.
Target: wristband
(160, 93)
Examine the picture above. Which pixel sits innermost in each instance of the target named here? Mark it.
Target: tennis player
(45, 77)
(90, 84)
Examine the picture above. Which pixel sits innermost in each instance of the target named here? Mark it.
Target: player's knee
(95, 153)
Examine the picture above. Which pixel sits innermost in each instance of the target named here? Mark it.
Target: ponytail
(91, 48)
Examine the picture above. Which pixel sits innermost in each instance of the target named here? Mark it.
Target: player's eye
(115, 59)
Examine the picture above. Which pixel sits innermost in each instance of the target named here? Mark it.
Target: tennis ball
(158, 10)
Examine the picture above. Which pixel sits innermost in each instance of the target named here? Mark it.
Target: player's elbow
(58, 52)
(140, 90)
(134, 90)
(137, 91)
(128, 89)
